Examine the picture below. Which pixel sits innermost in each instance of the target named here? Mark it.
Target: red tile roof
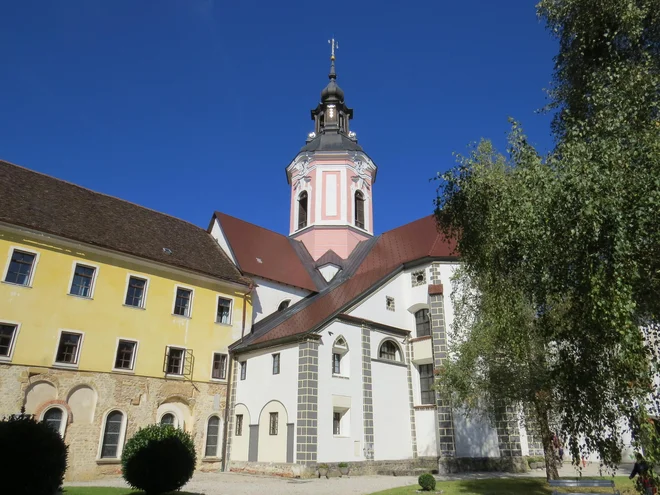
(414, 241)
(264, 253)
(53, 206)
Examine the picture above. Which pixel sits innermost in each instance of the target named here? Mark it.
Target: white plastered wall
(340, 391)
(240, 444)
(268, 295)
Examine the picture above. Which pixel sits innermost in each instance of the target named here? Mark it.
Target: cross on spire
(333, 44)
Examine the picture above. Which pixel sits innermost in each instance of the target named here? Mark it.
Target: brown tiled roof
(46, 204)
(264, 253)
(414, 241)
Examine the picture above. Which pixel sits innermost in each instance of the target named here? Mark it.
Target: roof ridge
(99, 193)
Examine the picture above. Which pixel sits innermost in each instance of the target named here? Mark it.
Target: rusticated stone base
(482, 464)
(138, 397)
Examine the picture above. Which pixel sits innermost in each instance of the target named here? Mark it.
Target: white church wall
(392, 436)
(427, 432)
(374, 307)
(474, 436)
(341, 393)
(268, 295)
(261, 387)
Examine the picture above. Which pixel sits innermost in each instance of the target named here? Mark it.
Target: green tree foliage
(158, 459)
(560, 289)
(33, 456)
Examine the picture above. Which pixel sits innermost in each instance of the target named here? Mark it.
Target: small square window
(125, 358)
(418, 278)
(219, 366)
(389, 303)
(83, 278)
(276, 364)
(239, 425)
(135, 292)
(224, 311)
(182, 302)
(68, 348)
(7, 337)
(175, 358)
(243, 369)
(273, 423)
(20, 268)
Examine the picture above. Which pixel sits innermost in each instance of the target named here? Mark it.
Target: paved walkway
(233, 483)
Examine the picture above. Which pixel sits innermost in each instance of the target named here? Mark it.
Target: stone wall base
(449, 465)
(282, 469)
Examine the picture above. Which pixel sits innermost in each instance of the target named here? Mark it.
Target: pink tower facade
(331, 181)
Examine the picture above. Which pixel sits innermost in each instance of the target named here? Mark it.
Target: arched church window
(302, 210)
(389, 351)
(54, 418)
(423, 322)
(359, 209)
(168, 419)
(284, 304)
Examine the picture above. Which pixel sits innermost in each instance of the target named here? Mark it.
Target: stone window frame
(273, 423)
(277, 363)
(415, 277)
(243, 370)
(219, 298)
(389, 303)
(398, 356)
(342, 350)
(76, 361)
(188, 313)
(14, 338)
(223, 372)
(218, 444)
(92, 283)
(120, 442)
(133, 358)
(178, 422)
(33, 269)
(65, 417)
(145, 291)
(167, 361)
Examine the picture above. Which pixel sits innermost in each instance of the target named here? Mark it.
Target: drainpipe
(230, 384)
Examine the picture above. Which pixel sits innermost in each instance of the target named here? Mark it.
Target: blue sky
(190, 106)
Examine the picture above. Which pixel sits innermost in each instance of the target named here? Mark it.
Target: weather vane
(334, 45)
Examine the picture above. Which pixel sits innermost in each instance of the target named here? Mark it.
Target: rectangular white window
(183, 302)
(135, 292)
(219, 366)
(7, 338)
(83, 279)
(21, 267)
(273, 423)
(125, 357)
(243, 369)
(276, 364)
(68, 349)
(224, 311)
(175, 360)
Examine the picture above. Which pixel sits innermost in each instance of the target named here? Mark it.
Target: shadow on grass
(97, 490)
(504, 486)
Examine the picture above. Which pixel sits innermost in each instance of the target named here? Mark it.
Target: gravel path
(249, 484)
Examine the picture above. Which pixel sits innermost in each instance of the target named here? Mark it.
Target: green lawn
(86, 490)
(502, 486)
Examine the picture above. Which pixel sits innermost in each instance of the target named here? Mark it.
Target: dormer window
(359, 209)
(284, 304)
(302, 210)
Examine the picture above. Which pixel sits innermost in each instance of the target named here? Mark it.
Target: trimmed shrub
(33, 456)
(158, 459)
(427, 482)
(342, 465)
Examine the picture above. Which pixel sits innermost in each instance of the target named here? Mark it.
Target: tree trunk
(551, 471)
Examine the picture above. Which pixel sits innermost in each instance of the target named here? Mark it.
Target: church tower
(331, 180)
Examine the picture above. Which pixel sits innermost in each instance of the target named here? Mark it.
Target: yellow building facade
(99, 342)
